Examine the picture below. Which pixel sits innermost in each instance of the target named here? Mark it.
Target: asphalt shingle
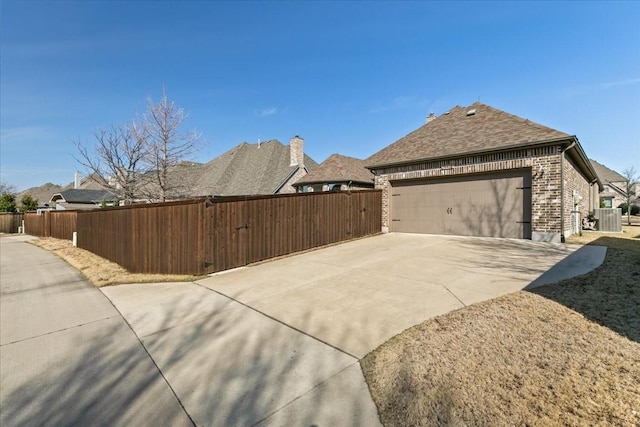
(465, 130)
(248, 169)
(606, 174)
(338, 168)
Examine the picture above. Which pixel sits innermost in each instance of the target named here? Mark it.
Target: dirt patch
(564, 354)
(99, 271)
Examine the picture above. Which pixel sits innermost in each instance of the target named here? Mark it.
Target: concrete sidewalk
(67, 357)
(231, 365)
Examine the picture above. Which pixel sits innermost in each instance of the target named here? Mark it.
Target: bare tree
(631, 176)
(5, 187)
(160, 131)
(116, 162)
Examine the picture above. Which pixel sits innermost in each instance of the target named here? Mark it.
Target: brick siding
(575, 184)
(544, 164)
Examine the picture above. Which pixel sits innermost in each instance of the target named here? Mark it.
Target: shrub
(635, 209)
(28, 203)
(7, 202)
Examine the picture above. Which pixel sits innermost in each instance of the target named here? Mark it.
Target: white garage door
(495, 205)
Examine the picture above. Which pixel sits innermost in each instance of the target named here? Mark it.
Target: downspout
(592, 197)
(562, 238)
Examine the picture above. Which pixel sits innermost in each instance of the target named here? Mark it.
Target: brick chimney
(296, 151)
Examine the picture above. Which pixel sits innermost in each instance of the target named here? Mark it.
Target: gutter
(591, 195)
(586, 163)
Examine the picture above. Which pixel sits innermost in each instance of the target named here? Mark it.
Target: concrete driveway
(355, 296)
(279, 343)
(272, 344)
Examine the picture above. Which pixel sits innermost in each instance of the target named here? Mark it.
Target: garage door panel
(483, 205)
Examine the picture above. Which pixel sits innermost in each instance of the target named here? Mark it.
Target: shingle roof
(45, 192)
(338, 168)
(607, 174)
(86, 196)
(464, 130)
(183, 178)
(248, 169)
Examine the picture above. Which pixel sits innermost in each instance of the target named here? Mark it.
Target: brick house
(245, 170)
(337, 173)
(480, 171)
(252, 169)
(78, 199)
(614, 191)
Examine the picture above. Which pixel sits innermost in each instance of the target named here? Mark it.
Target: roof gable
(338, 168)
(465, 130)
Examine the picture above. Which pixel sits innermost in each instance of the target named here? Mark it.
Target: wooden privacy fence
(58, 224)
(209, 235)
(9, 222)
(245, 231)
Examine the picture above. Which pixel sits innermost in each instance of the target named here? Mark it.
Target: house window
(317, 187)
(607, 202)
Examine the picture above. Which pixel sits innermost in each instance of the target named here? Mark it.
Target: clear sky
(349, 77)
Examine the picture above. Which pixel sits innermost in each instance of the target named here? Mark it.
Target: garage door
(495, 205)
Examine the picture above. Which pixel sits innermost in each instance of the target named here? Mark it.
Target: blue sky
(349, 77)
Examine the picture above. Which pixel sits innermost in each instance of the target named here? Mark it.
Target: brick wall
(577, 197)
(288, 187)
(545, 166)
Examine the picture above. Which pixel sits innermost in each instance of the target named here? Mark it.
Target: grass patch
(99, 271)
(562, 354)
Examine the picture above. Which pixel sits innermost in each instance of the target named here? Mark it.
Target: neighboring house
(182, 180)
(635, 191)
(77, 199)
(247, 169)
(337, 173)
(614, 191)
(42, 193)
(254, 169)
(480, 171)
(45, 192)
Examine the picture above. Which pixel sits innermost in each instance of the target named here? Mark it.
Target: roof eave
(585, 164)
(566, 139)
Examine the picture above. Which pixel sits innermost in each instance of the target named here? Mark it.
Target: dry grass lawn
(99, 271)
(563, 354)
